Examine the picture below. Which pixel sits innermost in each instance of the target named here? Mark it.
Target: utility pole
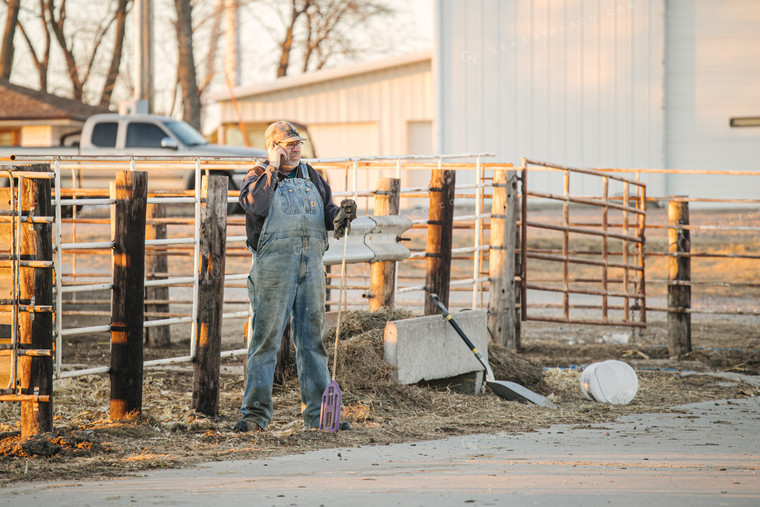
(231, 43)
(143, 56)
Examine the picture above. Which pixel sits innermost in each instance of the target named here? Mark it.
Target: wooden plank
(383, 274)
(208, 337)
(679, 295)
(439, 238)
(503, 322)
(36, 373)
(127, 309)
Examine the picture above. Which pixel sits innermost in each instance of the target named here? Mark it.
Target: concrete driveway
(703, 454)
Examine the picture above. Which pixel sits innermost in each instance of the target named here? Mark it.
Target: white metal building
(602, 83)
(586, 83)
(376, 108)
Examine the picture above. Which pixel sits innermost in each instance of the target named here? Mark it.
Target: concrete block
(428, 348)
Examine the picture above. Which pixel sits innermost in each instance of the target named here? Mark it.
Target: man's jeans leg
(308, 326)
(273, 299)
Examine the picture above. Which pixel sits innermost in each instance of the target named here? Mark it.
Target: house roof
(20, 103)
(323, 75)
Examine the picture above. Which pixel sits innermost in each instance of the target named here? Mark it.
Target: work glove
(342, 220)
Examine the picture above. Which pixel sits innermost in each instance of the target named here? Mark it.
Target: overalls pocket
(289, 202)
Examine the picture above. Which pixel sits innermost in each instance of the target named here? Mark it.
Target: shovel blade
(516, 392)
(329, 415)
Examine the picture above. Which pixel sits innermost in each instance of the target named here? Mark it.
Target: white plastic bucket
(609, 382)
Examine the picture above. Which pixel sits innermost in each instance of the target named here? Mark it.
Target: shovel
(501, 388)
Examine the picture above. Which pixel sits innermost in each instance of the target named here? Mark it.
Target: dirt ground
(169, 434)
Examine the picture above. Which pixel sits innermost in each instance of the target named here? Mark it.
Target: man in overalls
(289, 210)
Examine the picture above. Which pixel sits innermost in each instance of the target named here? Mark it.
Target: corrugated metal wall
(712, 75)
(389, 97)
(577, 82)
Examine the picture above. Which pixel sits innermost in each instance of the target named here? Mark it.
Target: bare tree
(297, 8)
(191, 102)
(40, 57)
(323, 29)
(113, 69)
(80, 64)
(6, 51)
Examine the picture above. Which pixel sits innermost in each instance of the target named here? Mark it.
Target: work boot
(243, 426)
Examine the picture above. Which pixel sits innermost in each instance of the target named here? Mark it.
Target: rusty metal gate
(19, 284)
(588, 266)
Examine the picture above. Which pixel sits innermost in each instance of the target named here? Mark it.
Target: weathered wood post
(383, 273)
(156, 264)
(679, 294)
(503, 322)
(35, 363)
(439, 237)
(127, 307)
(208, 326)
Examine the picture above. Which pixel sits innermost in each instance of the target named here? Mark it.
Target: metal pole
(524, 241)
(356, 179)
(605, 192)
(626, 275)
(476, 259)
(14, 282)
(566, 246)
(196, 255)
(58, 270)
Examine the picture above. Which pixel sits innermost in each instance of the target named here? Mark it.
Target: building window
(10, 137)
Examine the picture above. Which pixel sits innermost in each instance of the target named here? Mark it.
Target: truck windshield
(186, 133)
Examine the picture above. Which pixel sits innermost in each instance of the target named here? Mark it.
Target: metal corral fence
(458, 266)
(703, 249)
(83, 242)
(592, 258)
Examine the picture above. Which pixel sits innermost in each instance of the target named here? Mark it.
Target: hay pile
(506, 365)
(361, 358)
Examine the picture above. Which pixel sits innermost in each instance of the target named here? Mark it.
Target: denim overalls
(288, 276)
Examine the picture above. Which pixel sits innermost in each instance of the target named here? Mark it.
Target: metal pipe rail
(69, 289)
(353, 164)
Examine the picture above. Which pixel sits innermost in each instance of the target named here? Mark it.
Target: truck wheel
(233, 207)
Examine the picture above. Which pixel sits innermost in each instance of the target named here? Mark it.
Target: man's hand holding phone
(277, 156)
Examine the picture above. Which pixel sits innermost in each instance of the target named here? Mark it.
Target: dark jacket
(256, 195)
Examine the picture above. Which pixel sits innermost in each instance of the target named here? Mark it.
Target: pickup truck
(143, 135)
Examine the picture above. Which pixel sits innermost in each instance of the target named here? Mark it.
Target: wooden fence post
(503, 322)
(127, 307)
(208, 326)
(156, 265)
(36, 328)
(439, 238)
(383, 273)
(679, 295)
